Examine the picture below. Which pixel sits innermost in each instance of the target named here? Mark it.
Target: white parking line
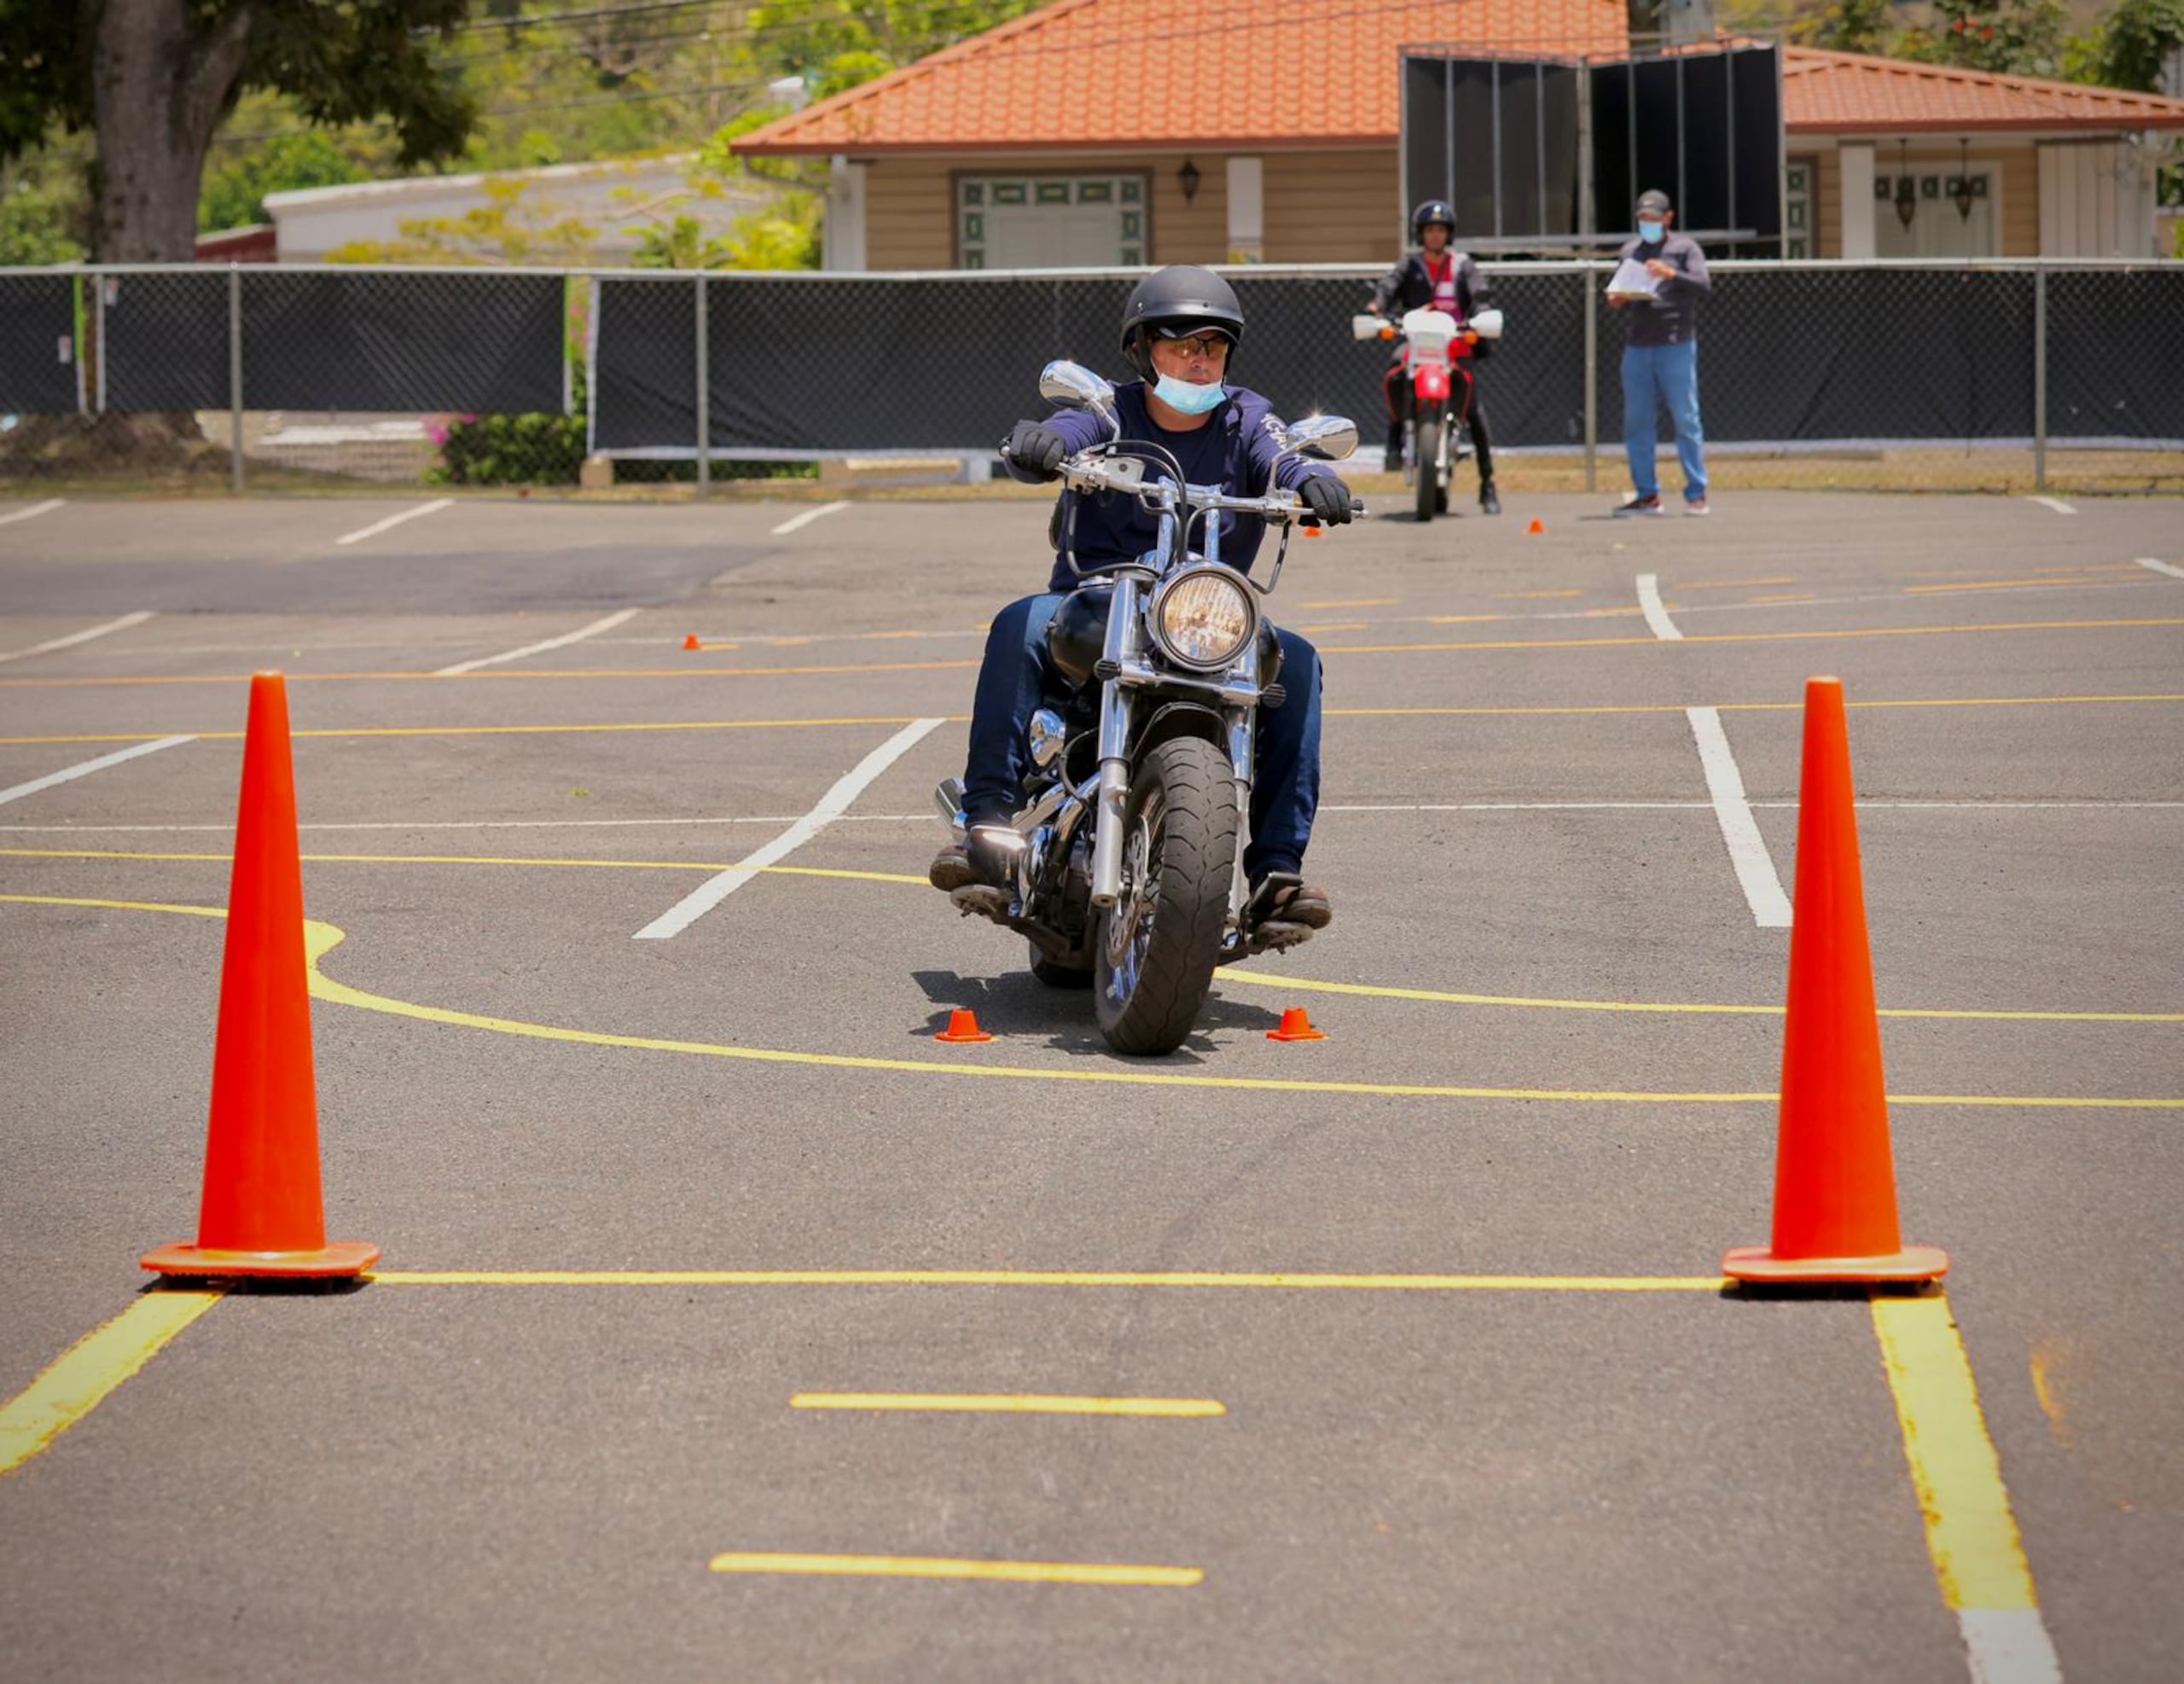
(2160, 567)
(798, 522)
(1754, 866)
(1657, 616)
(76, 637)
(832, 805)
(561, 643)
(2055, 503)
(32, 512)
(89, 766)
(379, 526)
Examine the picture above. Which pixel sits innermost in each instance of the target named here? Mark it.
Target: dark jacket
(1673, 318)
(1410, 285)
(1234, 450)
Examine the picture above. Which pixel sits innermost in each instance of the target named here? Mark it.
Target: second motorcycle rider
(1434, 277)
(1180, 331)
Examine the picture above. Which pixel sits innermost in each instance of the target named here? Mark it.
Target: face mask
(1651, 232)
(1189, 397)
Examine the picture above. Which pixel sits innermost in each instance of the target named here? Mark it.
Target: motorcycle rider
(1180, 329)
(1435, 277)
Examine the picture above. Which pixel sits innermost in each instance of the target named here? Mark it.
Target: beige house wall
(1336, 206)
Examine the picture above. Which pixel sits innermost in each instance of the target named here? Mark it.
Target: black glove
(1328, 498)
(1036, 449)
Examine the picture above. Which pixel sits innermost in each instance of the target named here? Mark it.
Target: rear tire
(1155, 950)
(1056, 974)
(1429, 465)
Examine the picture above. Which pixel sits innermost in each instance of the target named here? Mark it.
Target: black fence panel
(644, 362)
(166, 341)
(492, 343)
(2116, 354)
(1814, 356)
(37, 345)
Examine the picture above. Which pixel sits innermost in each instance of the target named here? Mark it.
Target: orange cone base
(342, 1259)
(1757, 1263)
(962, 1027)
(1296, 1025)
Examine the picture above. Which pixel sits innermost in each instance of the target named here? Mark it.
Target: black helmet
(1433, 210)
(1178, 301)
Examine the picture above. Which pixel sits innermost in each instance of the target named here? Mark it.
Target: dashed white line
(2008, 1646)
(798, 522)
(70, 772)
(561, 643)
(379, 526)
(1657, 616)
(32, 512)
(832, 805)
(1754, 866)
(2055, 503)
(2160, 567)
(76, 637)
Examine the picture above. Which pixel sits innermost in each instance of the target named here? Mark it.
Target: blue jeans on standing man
(1654, 374)
(1015, 675)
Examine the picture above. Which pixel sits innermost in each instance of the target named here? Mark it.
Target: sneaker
(1696, 505)
(1489, 502)
(1640, 506)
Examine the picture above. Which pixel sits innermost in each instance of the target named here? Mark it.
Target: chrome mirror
(1322, 437)
(1076, 387)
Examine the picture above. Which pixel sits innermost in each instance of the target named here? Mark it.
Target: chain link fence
(2001, 375)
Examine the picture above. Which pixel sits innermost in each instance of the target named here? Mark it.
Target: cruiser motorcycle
(1127, 849)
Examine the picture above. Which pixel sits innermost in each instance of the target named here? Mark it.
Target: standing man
(1447, 281)
(1660, 358)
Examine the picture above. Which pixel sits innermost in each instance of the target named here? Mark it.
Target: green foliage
(34, 228)
(2128, 48)
(536, 449)
(2014, 38)
(1854, 26)
(234, 194)
(515, 226)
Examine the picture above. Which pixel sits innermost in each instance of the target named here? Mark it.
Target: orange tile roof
(1138, 74)
(1120, 75)
(1848, 93)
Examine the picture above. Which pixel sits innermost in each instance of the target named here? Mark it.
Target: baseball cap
(1652, 198)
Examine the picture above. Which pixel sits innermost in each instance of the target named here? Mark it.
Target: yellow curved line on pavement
(320, 938)
(1226, 974)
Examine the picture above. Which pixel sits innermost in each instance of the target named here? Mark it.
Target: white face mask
(1188, 396)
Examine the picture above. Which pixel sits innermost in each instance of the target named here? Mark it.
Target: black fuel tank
(1077, 637)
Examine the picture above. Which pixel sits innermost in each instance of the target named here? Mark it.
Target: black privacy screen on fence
(1498, 138)
(2092, 391)
(950, 361)
(1703, 127)
(366, 341)
(37, 345)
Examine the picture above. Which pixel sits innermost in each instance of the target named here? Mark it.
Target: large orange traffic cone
(261, 1213)
(1834, 1175)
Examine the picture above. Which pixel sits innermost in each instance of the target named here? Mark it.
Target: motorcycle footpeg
(1274, 937)
(982, 900)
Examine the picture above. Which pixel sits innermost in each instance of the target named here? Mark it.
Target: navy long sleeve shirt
(1234, 450)
(1673, 318)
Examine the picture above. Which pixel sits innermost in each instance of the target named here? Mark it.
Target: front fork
(1107, 818)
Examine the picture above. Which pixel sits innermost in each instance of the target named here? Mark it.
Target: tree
(34, 228)
(2132, 42)
(2013, 38)
(153, 80)
(234, 194)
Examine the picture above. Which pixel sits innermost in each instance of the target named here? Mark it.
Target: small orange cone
(962, 1026)
(692, 642)
(1537, 529)
(261, 1213)
(1834, 1174)
(1296, 1025)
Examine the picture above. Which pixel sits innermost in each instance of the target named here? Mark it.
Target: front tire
(1156, 949)
(1429, 464)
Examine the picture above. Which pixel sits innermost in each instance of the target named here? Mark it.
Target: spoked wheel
(1158, 945)
(1429, 466)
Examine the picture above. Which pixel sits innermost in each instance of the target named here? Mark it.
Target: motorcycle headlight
(1203, 618)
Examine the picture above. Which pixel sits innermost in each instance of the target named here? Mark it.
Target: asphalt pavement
(1401, 1354)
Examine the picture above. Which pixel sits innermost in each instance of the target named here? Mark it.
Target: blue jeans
(1014, 677)
(1654, 374)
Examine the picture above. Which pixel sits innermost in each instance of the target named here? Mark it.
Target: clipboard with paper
(1631, 280)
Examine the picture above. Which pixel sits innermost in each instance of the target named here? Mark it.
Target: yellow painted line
(1345, 625)
(1465, 620)
(1180, 1408)
(76, 1382)
(471, 859)
(1971, 1533)
(904, 719)
(1770, 601)
(493, 673)
(1353, 602)
(944, 1567)
(320, 938)
(1535, 595)
(1989, 584)
(1229, 974)
(1734, 638)
(1025, 1277)
(1734, 585)
(324, 937)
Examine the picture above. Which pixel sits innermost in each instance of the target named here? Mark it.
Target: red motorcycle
(1436, 352)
